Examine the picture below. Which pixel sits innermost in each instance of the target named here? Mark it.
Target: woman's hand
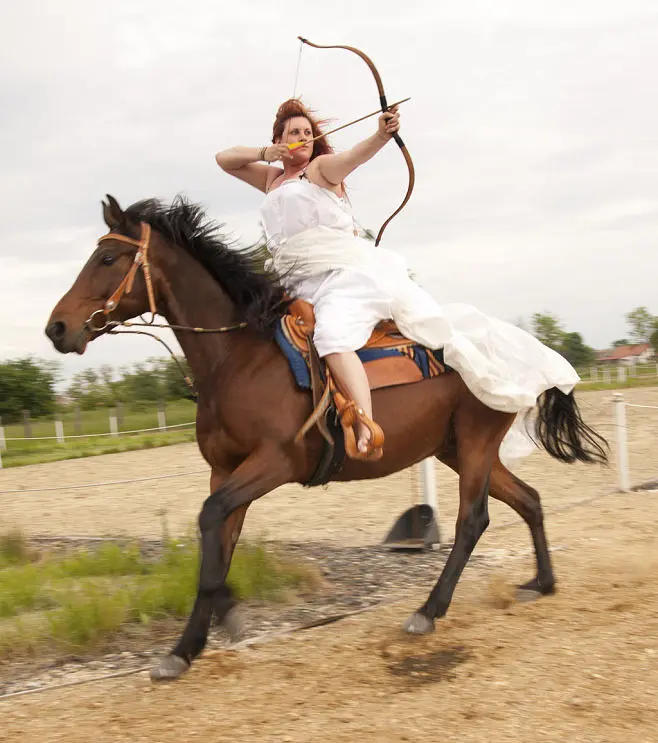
(277, 152)
(389, 123)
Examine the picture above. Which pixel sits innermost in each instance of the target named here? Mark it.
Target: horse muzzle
(65, 339)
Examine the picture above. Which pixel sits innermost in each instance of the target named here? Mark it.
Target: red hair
(289, 110)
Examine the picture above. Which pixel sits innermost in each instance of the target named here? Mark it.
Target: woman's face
(298, 129)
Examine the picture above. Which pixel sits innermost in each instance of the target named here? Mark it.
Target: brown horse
(249, 407)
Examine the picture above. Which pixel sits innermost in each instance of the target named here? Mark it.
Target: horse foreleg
(220, 523)
(509, 489)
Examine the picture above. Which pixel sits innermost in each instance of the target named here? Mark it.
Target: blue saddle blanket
(429, 362)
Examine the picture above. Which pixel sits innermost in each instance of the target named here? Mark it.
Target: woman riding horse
(316, 250)
(171, 261)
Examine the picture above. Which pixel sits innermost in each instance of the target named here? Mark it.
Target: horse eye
(107, 259)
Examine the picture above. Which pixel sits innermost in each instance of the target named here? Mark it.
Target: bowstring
(299, 61)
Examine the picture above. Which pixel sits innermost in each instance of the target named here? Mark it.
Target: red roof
(624, 352)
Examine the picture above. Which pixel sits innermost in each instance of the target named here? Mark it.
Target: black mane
(258, 294)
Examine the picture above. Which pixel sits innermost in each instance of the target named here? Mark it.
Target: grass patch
(79, 601)
(38, 452)
(647, 381)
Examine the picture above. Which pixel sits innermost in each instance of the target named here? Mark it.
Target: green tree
(90, 390)
(548, 329)
(653, 339)
(143, 384)
(27, 384)
(621, 342)
(575, 351)
(642, 324)
(175, 387)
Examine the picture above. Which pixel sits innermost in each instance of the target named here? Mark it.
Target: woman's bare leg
(351, 377)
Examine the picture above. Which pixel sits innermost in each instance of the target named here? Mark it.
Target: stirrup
(349, 415)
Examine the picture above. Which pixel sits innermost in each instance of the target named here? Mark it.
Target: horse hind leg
(525, 500)
(472, 522)
(478, 432)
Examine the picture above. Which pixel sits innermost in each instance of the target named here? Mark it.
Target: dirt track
(579, 666)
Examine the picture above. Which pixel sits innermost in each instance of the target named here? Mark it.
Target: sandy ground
(578, 666)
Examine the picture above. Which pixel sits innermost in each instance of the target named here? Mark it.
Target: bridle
(126, 285)
(141, 260)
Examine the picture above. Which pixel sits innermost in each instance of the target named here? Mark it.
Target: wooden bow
(384, 107)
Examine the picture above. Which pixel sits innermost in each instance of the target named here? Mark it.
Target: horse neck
(189, 295)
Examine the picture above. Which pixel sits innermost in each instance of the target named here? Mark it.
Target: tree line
(642, 327)
(30, 384)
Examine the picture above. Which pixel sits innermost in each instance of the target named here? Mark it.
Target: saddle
(389, 359)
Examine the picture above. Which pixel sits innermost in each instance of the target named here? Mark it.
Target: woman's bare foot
(364, 437)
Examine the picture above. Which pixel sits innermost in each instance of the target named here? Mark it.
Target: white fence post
(621, 373)
(59, 431)
(428, 480)
(3, 441)
(622, 442)
(162, 418)
(593, 374)
(114, 429)
(606, 375)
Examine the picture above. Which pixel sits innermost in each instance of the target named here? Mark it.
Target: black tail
(563, 433)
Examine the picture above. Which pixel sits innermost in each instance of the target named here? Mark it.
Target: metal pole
(622, 442)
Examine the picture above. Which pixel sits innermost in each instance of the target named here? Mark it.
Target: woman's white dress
(353, 286)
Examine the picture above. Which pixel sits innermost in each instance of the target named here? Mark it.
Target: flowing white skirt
(353, 286)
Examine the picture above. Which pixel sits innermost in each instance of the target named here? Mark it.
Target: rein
(125, 287)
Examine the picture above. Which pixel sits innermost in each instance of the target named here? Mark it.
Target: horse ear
(112, 213)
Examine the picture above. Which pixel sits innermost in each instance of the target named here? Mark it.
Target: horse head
(110, 287)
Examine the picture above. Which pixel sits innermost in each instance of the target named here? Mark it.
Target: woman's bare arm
(246, 164)
(335, 168)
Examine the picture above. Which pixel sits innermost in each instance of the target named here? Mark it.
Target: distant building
(640, 353)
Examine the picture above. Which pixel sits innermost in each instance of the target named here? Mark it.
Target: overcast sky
(533, 127)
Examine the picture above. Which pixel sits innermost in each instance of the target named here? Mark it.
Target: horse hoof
(525, 595)
(170, 667)
(419, 624)
(234, 624)
(533, 590)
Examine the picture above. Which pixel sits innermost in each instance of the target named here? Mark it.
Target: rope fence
(113, 421)
(91, 435)
(425, 468)
(102, 484)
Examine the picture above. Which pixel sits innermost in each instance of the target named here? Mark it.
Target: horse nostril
(56, 330)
